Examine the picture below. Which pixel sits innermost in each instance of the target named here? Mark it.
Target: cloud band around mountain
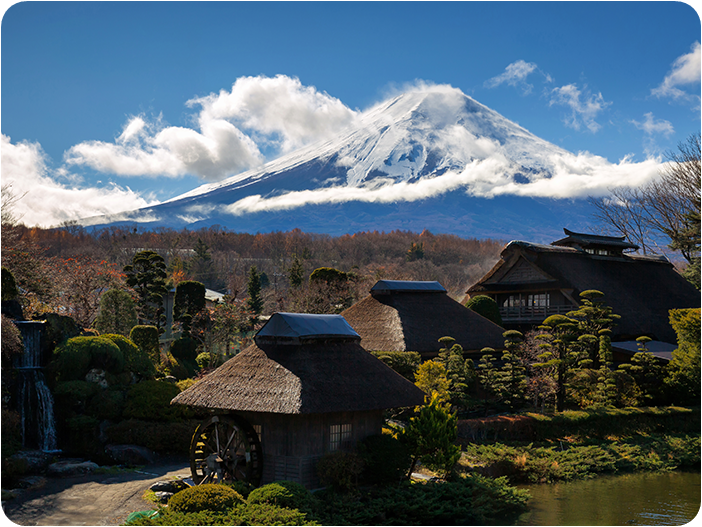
(571, 177)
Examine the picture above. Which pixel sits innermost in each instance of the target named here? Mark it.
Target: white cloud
(652, 126)
(280, 109)
(572, 176)
(279, 113)
(47, 202)
(584, 106)
(515, 74)
(685, 70)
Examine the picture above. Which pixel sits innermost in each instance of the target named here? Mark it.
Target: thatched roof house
(401, 315)
(307, 387)
(532, 281)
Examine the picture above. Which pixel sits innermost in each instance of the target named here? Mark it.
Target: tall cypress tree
(253, 287)
(147, 276)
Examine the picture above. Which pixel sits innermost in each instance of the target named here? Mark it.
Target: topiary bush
(242, 487)
(386, 460)
(266, 514)
(107, 404)
(203, 360)
(79, 354)
(185, 349)
(151, 401)
(146, 339)
(485, 306)
(207, 497)
(283, 494)
(135, 360)
(73, 396)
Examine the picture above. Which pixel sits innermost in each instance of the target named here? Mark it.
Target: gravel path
(95, 499)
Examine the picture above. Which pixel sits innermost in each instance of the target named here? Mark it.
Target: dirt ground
(95, 499)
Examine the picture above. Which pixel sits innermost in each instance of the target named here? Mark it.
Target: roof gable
(294, 327)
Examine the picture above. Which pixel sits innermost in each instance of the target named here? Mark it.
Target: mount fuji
(432, 158)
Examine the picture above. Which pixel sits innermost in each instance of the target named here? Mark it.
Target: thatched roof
(642, 289)
(329, 374)
(407, 319)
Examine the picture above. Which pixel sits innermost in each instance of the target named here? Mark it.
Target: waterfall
(36, 405)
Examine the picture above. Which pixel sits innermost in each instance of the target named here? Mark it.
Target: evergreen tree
(431, 379)
(296, 273)
(646, 371)
(513, 372)
(253, 287)
(117, 313)
(147, 276)
(559, 333)
(460, 372)
(682, 378)
(489, 377)
(430, 436)
(189, 301)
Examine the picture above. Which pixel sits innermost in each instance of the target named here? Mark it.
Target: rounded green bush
(80, 354)
(146, 339)
(184, 348)
(283, 494)
(151, 401)
(485, 306)
(107, 404)
(207, 497)
(135, 360)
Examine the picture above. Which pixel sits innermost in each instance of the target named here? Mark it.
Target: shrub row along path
(93, 499)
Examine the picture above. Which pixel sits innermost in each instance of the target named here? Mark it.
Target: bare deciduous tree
(667, 207)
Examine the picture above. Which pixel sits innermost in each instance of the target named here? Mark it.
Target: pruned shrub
(151, 401)
(242, 487)
(340, 470)
(146, 339)
(207, 497)
(203, 360)
(135, 360)
(72, 396)
(283, 494)
(386, 460)
(184, 348)
(267, 514)
(107, 404)
(485, 306)
(80, 354)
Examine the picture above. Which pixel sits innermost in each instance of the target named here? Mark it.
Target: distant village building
(401, 315)
(306, 388)
(533, 281)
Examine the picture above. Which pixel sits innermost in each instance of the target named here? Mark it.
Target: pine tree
(253, 288)
(147, 276)
(296, 273)
(430, 436)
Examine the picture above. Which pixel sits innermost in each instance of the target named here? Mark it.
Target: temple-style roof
(311, 375)
(411, 320)
(584, 241)
(642, 289)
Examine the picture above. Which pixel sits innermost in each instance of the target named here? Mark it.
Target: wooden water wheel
(225, 448)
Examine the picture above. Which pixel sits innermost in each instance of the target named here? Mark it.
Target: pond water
(671, 498)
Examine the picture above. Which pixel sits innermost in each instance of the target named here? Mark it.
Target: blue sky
(614, 79)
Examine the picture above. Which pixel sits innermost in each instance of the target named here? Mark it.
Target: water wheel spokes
(225, 448)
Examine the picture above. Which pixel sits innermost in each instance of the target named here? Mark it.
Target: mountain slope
(431, 158)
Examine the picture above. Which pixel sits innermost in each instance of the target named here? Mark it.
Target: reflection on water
(671, 498)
